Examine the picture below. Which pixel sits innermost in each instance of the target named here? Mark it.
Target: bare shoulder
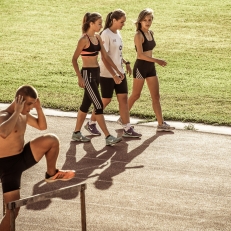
(98, 36)
(4, 115)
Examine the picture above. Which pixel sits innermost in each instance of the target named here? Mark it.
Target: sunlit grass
(38, 39)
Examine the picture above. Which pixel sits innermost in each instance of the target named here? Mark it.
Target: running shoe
(92, 129)
(79, 137)
(63, 175)
(131, 133)
(164, 127)
(112, 140)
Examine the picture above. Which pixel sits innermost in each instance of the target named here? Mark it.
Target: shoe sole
(84, 141)
(91, 132)
(110, 144)
(164, 130)
(51, 181)
(137, 136)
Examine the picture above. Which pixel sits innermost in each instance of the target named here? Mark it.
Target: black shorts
(11, 168)
(108, 86)
(143, 69)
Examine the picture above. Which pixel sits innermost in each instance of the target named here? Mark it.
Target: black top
(148, 45)
(93, 49)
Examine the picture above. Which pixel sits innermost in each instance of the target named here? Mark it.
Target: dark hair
(141, 17)
(27, 90)
(117, 14)
(88, 18)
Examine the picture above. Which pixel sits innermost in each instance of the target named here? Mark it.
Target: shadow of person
(122, 157)
(43, 187)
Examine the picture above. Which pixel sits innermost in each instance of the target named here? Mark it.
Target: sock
(126, 126)
(76, 132)
(48, 176)
(92, 122)
(107, 136)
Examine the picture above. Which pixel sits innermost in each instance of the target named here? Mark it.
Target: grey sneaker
(164, 127)
(112, 140)
(131, 133)
(79, 137)
(92, 129)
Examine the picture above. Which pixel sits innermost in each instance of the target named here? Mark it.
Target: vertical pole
(83, 208)
(4, 207)
(12, 218)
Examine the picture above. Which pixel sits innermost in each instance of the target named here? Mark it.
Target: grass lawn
(38, 39)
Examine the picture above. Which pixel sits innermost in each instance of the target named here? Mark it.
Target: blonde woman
(144, 67)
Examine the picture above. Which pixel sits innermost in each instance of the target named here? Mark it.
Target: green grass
(38, 39)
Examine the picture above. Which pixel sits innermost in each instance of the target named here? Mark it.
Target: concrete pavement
(163, 181)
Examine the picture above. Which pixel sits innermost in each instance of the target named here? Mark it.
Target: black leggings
(91, 91)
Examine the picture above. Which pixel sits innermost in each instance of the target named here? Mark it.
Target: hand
(128, 69)
(161, 62)
(121, 75)
(19, 104)
(37, 104)
(81, 82)
(117, 79)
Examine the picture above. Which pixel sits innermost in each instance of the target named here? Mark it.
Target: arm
(38, 122)
(138, 40)
(80, 46)
(128, 67)
(116, 78)
(109, 63)
(7, 123)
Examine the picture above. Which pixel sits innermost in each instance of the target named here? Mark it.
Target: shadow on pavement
(103, 164)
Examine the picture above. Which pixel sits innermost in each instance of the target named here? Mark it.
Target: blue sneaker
(92, 129)
(112, 140)
(164, 127)
(79, 137)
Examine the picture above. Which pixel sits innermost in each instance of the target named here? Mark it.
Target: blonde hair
(142, 15)
(88, 18)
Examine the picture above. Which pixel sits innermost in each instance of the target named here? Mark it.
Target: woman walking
(144, 67)
(88, 47)
(109, 83)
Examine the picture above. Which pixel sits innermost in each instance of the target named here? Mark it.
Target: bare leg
(101, 121)
(8, 197)
(105, 101)
(80, 119)
(47, 145)
(153, 85)
(136, 91)
(123, 108)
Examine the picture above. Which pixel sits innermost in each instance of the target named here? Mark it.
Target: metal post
(4, 207)
(12, 218)
(83, 208)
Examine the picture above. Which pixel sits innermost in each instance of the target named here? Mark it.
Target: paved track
(163, 181)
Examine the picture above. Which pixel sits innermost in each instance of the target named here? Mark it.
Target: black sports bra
(92, 50)
(148, 45)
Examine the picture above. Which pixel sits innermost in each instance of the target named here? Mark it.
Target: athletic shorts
(11, 168)
(143, 69)
(108, 86)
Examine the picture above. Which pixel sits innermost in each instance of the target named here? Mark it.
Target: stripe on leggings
(138, 75)
(90, 91)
